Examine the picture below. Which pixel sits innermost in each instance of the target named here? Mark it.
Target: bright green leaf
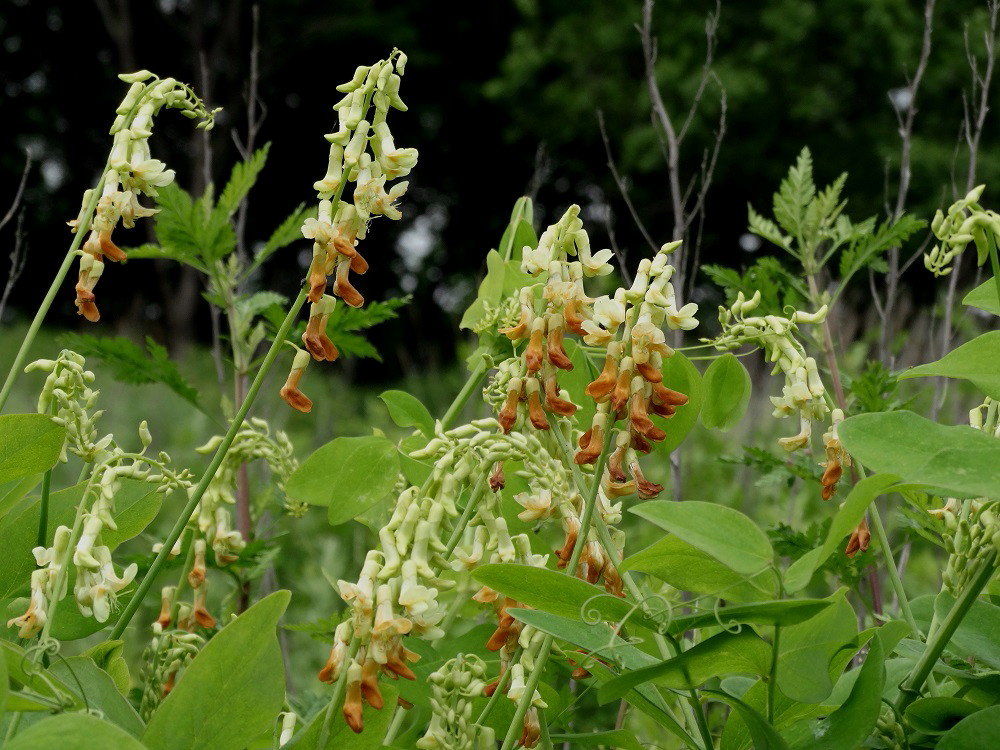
(232, 691)
(849, 515)
(938, 714)
(724, 533)
(688, 568)
(619, 738)
(74, 731)
(348, 474)
(408, 411)
(975, 361)
(852, 723)
(763, 734)
(958, 461)
(726, 653)
(682, 376)
(806, 650)
(727, 392)
(241, 179)
(557, 593)
(974, 732)
(984, 297)
(778, 612)
(29, 444)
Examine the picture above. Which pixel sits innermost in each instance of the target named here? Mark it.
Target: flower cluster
(68, 396)
(966, 222)
(131, 172)
(364, 153)
(453, 687)
(803, 391)
(168, 652)
(97, 582)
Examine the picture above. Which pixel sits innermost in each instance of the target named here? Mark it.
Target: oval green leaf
(557, 593)
(29, 444)
(348, 474)
(407, 410)
(74, 732)
(682, 376)
(984, 297)
(727, 392)
(957, 461)
(724, 533)
(938, 714)
(975, 361)
(974, 732)
(687, 568)
(232, 691)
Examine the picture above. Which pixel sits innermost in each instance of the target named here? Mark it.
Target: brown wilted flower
(497, 480)
(554, 350)
(316, 341)
(535, 412)
(859, 540)
(553, 402)
(290, 390)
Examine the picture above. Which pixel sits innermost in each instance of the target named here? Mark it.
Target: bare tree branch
(905, 116)
(18, 255)
(256, 112)
(973, 120)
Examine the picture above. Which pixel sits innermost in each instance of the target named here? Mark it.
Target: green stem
(43, 309)
(545, 741)
(501, 684)
(667, 649)
(890, 565)
(213, 467)
(43, 511)
(516, 724)
(339, 688)
(398, 717)
(465, 394)
(910, 688)
(772, 682)
(470, 507)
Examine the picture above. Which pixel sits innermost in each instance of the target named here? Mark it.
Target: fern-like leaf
(130, 364)
(796, 192)
(241, 180)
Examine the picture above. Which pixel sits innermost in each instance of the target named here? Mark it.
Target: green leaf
(852, 723)
(778, 612)
(232, 691)
(763, 734)
(726, 653)
(727, 392)
(100, 691)
(956, 461)
(795, 193)
(15, 490)
(806, 650)
(688, 568)
(849, 515)
(984, 297)
(4, 686)
(130, 364)
(340, 736)
(108, 655)
(557, 593)
(74, 732)
(242, 178)
(682, 376)
(596, 638)
(620, 738)
(287, 232)
(348, 474)
(344, 320)
(724, 533)
(973, 732)
(975, 361)
(976, 636)
(250, 305)
(519, 232)
(21, 671)
(408, 411)
(937, 715)
(29, 444)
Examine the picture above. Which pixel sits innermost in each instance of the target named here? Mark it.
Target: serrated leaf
(794, 195)
(251, 305)
(287, 232)
(130, 364)
(241, 179)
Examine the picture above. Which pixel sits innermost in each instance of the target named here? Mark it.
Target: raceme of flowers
(131, 172)
(362, 153)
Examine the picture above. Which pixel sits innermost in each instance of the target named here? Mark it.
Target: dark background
(502, 99)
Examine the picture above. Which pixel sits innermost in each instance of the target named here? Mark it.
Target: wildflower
(859, 540)
(290, 390)
(316, 341)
